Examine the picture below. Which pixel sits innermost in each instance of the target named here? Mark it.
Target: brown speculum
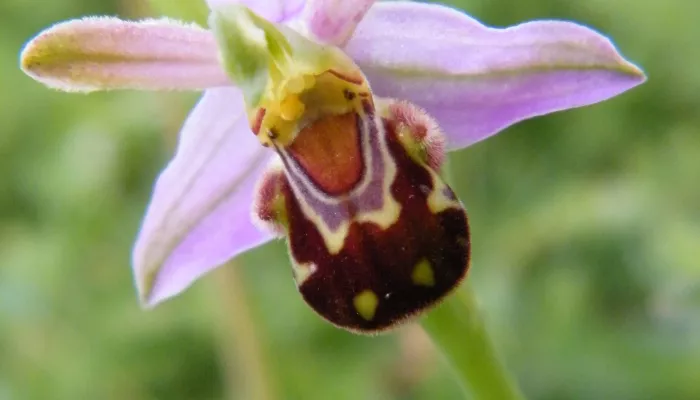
(374, 233)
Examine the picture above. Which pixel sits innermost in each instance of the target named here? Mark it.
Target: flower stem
(242, 353)
(458, 331)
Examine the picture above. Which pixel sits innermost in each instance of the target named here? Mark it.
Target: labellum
(375, 235)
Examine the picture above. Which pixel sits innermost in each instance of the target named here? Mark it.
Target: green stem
(458, 331)
(243, 354)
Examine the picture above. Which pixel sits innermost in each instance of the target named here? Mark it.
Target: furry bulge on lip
(374, 234)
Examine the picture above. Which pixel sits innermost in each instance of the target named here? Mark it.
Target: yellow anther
(272, 108)
(291, 108)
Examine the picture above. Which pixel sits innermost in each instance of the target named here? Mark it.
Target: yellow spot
(437, 200)
(291, 108)
(423, 274)
(302, 272)
(366, 304)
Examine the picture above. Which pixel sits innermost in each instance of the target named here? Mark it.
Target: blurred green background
(586, 226)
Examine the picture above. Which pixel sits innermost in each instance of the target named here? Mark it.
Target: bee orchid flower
(327, 122)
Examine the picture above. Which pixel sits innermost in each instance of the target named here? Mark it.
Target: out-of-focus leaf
(185, 10)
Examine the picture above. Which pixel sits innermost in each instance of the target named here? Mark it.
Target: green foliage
(185, 10)
(585, 228)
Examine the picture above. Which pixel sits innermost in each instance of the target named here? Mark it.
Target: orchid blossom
(329, 120)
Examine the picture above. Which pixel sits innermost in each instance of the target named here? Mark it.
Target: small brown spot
(272, 133)
(349, 95)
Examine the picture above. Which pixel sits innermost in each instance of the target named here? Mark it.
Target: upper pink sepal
(98, 53)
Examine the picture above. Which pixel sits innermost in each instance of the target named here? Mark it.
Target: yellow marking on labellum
(366, 304)
(302, 272)
(423, 274)
(335, 240)
(437, 200)
(383, 217)
(389, 213)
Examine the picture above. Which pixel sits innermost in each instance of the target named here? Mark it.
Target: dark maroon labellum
(374, 233)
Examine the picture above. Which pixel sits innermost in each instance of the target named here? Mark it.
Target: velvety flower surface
(473, 79)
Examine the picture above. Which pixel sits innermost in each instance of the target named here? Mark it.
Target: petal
(477, 80)
(333, 21)
(200, 213)
(108, 53)
(271, 10)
